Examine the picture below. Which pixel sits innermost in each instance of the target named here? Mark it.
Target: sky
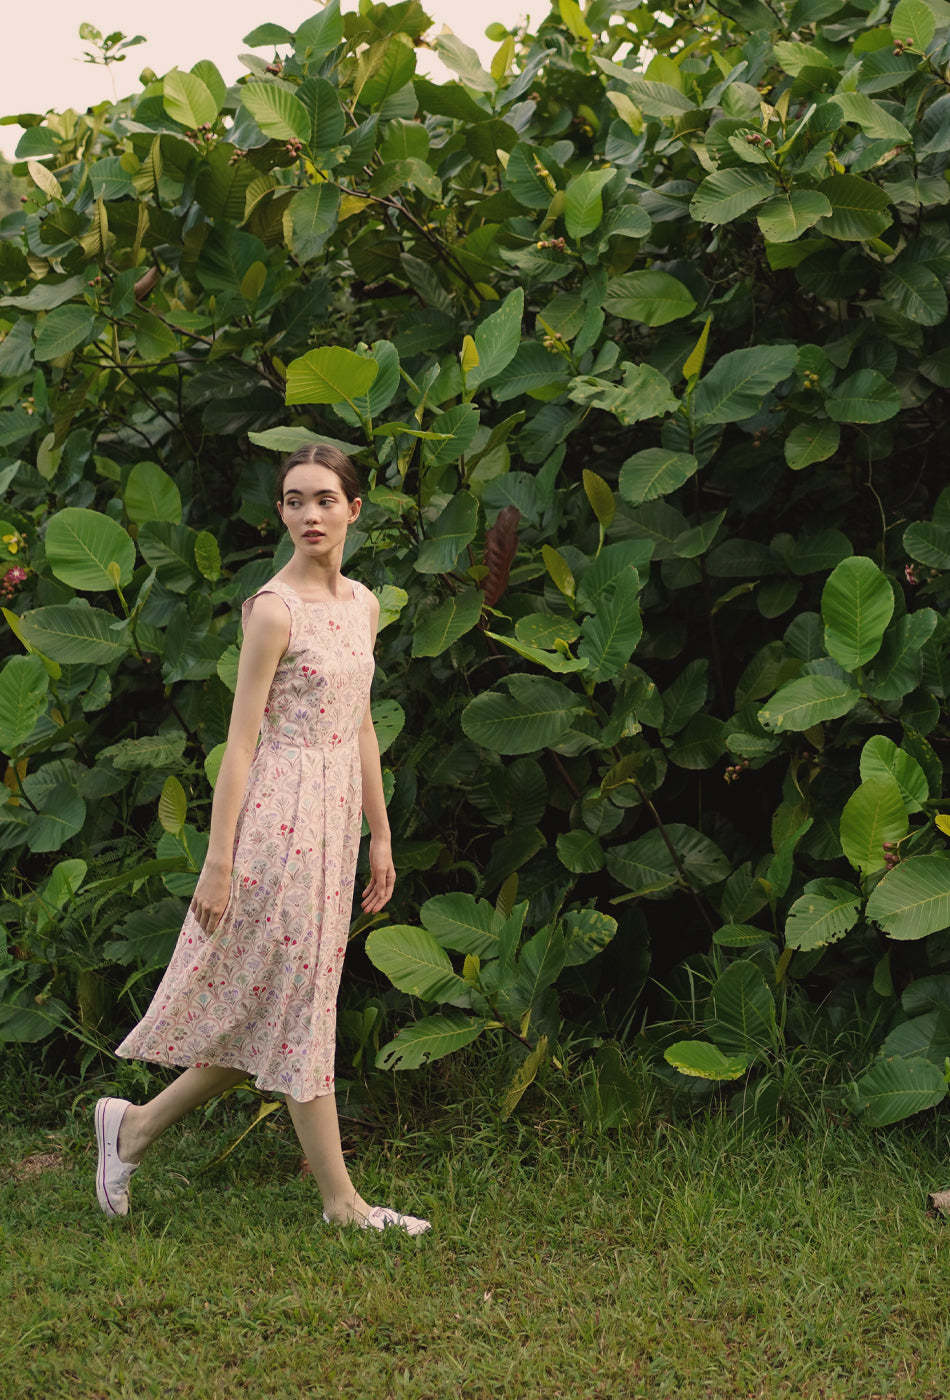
(43, 66)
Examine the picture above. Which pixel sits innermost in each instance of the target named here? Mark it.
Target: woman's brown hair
(321, 454)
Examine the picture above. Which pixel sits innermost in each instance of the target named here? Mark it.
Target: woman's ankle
(344, 1210)
(132, 1143)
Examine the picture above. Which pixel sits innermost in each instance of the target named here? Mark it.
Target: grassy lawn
(675, 1261)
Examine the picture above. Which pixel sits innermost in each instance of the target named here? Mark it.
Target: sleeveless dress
(260, 993)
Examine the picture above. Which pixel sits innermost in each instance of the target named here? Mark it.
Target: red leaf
(501, 546)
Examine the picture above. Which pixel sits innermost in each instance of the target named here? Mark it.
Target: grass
(673, 1261)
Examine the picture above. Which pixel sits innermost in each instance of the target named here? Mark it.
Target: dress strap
(276, 586)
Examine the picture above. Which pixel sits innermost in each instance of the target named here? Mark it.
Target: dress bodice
(321, 687)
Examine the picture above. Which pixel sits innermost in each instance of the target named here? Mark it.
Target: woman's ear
(356, 505)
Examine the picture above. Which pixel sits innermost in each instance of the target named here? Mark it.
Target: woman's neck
(316, 578)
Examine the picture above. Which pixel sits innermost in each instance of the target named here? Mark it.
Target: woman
(251, 987)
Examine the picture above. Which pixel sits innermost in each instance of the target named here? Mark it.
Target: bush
(646, 368)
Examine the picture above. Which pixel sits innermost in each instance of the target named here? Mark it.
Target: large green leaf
(915, 291)
(927, 1036)
(654, 472)
(610, 634)
(808, 701)
(586, 933)
(786, 217)
(415, 963)
(63, 330)
(535, 715)
(389, 719)
(437, 630)
(870, 116)
(429, 1039)
(898, 665)
(464, 924)
(895, 1088)
(655, 298)
(309, 219)
(583, 202)
(385, 68)
(825, 912)
(89, 550)
(67, 632)
(700, 1060)
(865, 397)
(327, 118)
(277, 110)
(329, 374)
(652, 98)
(644, 393)
(497, 339)
(736, 385)
(727, 194)
(815, 441)
(857, 603)
(448, 535)
(188, 100)
(170, 549)
(24, 683)
(859, 209)
(913, 23)
(913, 900)
(647, 867)
(929, 542)
(740, 1016)
(881, 757)
(151, 494)
(874, 814)
(61, 816)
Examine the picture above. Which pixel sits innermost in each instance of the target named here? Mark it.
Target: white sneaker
(112, 1174)
(383, 1217)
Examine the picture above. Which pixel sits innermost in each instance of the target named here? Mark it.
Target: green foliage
(645, 363)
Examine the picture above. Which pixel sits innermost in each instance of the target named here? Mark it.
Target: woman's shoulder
(364, 595)
(271, 603)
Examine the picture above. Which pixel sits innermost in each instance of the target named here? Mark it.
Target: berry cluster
(891, 854)
(239, 155)
(735, 771)
(552, 342)
(276, 68)
(810, 379)
(294, 146)
(900, 45)
(202, 136)
(557, 243)
(11, 581)
(755, 139)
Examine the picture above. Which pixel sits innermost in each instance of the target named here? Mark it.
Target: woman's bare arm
(265, 641)
(382, 879)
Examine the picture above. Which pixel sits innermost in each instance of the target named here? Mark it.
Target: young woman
(251, 988)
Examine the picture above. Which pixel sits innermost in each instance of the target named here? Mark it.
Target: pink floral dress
(260, 993)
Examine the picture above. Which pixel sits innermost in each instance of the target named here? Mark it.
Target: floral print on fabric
(260, 993)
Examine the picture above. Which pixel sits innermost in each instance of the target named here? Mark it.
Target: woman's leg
(143, 1123)
(318, 1131)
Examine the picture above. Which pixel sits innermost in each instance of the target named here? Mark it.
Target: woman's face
(315, 509)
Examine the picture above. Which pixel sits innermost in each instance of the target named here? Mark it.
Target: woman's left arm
(379, 890)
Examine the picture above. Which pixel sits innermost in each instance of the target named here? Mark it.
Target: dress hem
(269, 1088)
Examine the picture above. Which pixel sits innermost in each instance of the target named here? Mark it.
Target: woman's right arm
(265, 640)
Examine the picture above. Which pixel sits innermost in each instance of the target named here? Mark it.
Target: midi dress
(259, 994)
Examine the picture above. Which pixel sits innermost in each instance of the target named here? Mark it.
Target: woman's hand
(382, 876)
(211, 895)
